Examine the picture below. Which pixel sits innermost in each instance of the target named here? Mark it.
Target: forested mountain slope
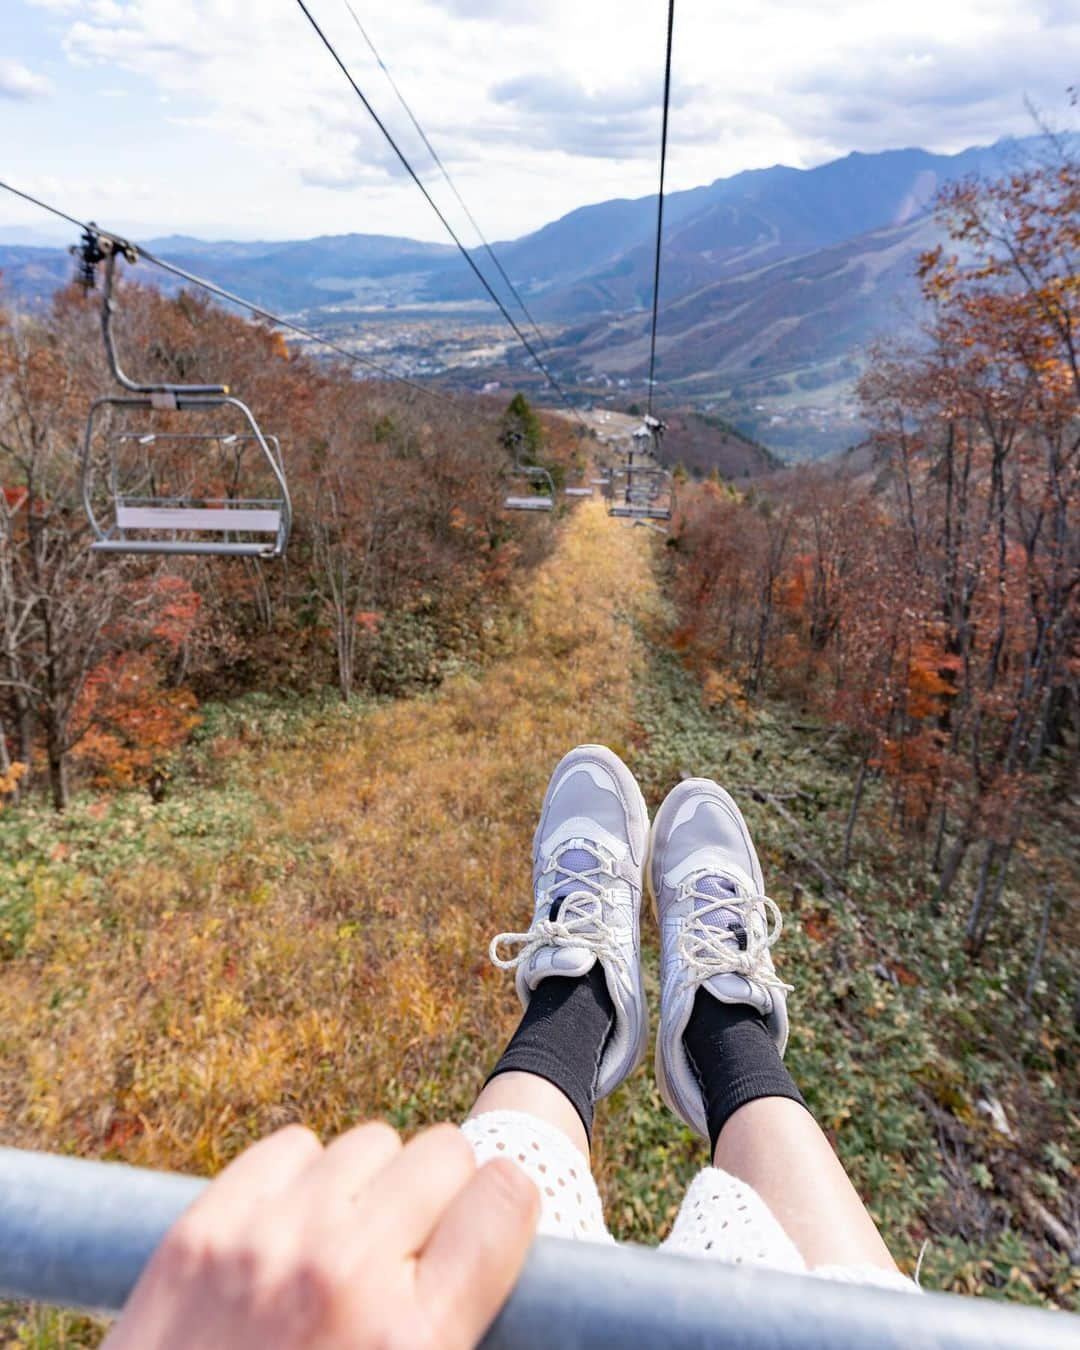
(180, 978)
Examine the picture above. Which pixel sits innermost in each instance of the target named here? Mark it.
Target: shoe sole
(668, 1093)
(629, 784)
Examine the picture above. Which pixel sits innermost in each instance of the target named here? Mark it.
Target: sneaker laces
(710, 949)
(579, 920)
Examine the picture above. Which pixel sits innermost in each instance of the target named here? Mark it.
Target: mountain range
(774, 280)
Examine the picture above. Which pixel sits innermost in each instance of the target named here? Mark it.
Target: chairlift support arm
(167, 395)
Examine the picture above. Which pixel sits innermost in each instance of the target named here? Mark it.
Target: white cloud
(541, 107)
(20, 84)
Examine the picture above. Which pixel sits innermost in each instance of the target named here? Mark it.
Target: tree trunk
(939, 841)
(264, 604)
(994, 869)
(1040, 947)
(23, 738)
(953, 863)
(346, 647)
(895, 814)
(1004, 858)
(757, 665)
(58, 781)
(856, 800)
(979, 897)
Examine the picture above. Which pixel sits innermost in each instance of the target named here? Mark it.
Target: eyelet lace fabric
(721, 1218)
(570, 1202)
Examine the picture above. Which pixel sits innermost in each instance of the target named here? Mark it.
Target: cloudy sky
(227, 118)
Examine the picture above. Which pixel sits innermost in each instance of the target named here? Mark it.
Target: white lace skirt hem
(721, 1218)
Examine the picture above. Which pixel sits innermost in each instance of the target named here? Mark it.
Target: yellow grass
(331, 965)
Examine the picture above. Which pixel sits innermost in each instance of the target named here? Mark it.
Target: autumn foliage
(398, 554)
(929, 604)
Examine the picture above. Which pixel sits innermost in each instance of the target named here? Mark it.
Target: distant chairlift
(532, 486)
(148, 496)
(642, 493)
(542, 496)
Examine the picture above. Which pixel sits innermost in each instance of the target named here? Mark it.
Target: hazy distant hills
(594, 261)
(290, 275)
(702, 444)
(774, 281)
(31, 275)
(599, 259)
(769, 320)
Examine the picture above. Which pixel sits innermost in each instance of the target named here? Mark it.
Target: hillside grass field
(300, 930)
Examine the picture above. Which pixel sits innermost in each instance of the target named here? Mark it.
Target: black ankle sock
(562, 1036)
(735, 1058)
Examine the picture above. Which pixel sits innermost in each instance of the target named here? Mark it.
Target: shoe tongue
(729, 988)
(719, 888)
(573, 860)
(567, 961)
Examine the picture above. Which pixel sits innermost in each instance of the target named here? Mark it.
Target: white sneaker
(713, 913)
(588, 861)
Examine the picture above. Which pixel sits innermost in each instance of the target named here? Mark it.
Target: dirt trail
(329, 963)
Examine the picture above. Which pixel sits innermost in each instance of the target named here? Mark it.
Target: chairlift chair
(542, 495)
(642, 493)
(536, 487)
(132, 511)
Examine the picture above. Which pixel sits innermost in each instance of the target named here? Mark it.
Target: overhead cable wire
(36, 201)
(441, 215)
(446, 175)
(660, 201)
(214, 289)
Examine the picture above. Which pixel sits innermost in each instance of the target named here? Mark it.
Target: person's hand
(362, 1244)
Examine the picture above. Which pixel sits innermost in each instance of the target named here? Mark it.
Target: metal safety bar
(78, 1234)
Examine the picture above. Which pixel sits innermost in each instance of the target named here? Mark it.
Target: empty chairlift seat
(151, 506)
(640, 493)
(532, 489)
(221, 516)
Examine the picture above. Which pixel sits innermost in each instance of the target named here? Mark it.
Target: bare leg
(536, 1096)
(776, 1146)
